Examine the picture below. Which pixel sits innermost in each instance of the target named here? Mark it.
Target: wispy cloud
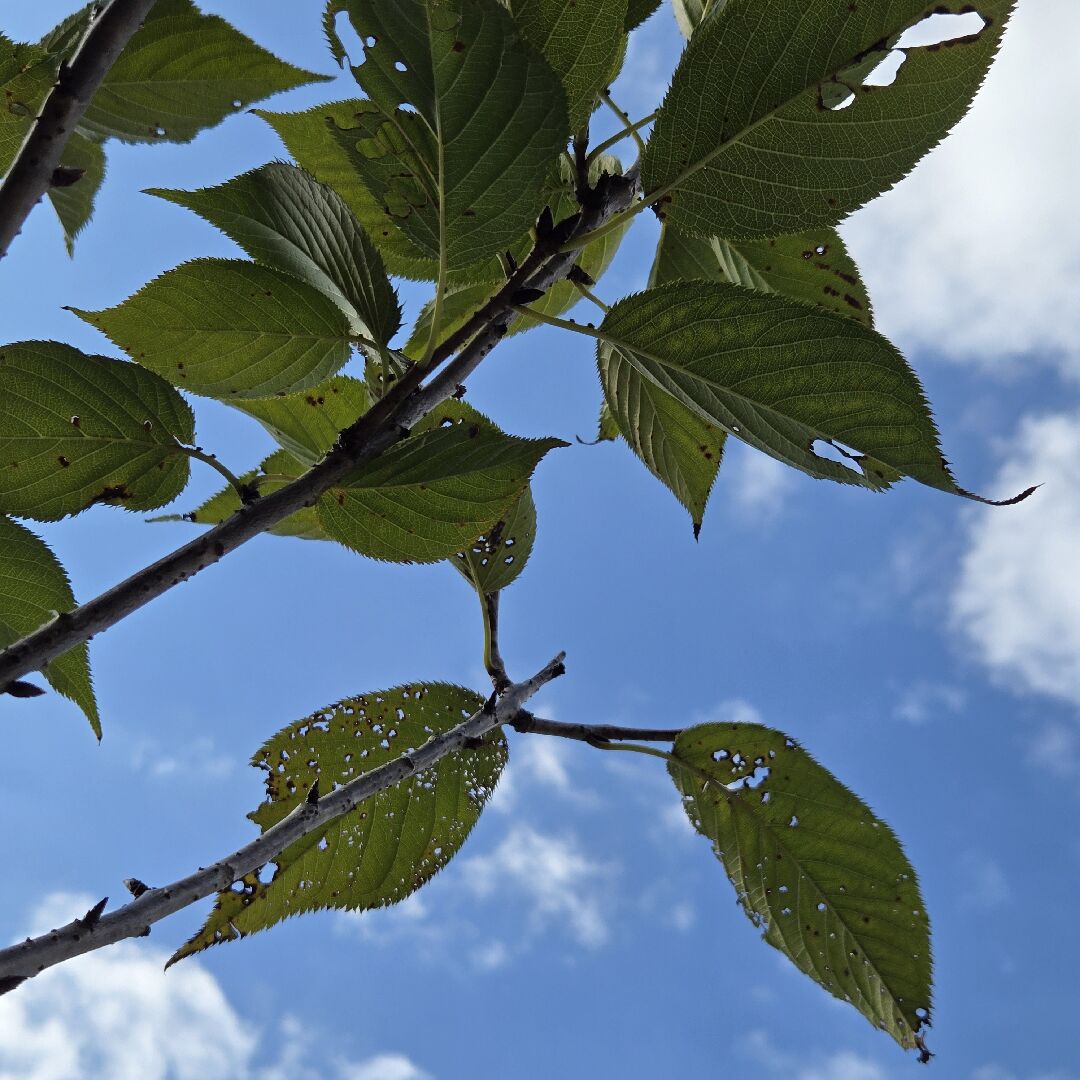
(759, 1047)
(924, 702)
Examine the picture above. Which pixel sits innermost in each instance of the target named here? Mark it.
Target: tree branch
(96, 930)
(384, 424)
(528, 724)
(31, 173)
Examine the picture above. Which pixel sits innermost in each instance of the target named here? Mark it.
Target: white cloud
(559, 881)
(977, 254)
(115, 1013)
(923, 702)
(844, 1065)
(539, 761)
(198, 758)
(1017, 600)
(490, 956)
(756, 484)
(731, 711)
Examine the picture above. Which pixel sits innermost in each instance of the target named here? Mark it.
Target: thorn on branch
(527, 296)
(248, 492)
(580, 277)
(93, 916)
(10, 982)
(545, 223)
(564, 230)
(489, 705)
(313, 794)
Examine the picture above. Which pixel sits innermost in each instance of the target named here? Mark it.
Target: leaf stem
(629, 130)
(493, 661)
(197, 452)
(528, 724)
(590, 295)
(562, 324)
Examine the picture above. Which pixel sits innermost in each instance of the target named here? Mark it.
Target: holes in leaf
(400, 66)
(831, 450)
(794, 822)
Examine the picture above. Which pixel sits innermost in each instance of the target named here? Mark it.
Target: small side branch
(95, 930)
(40, 155)
(528, 724)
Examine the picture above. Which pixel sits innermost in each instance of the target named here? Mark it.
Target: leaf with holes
(494, 560)
(182, 72)
(430, 496)
(26, 74)
(76, 430)
(824, 879)
(285, 219)
(461, 301)
(459, 170)
(814, 267)
(391, 844)
(308, 424)
(583, 43)
(782, 375)
(34, 588)
(275, 472)
(751, 141)
(309, 138)
(227, 328)
(74, 202)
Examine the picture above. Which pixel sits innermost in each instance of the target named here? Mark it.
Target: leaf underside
(33, 589)
(825, 880)
(76, 430)
(393, 842)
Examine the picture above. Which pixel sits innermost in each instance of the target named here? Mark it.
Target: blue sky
(927, 651)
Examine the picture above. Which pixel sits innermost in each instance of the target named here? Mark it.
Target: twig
(528, 724)
(387, 421)
(39, 156)
(21, 962)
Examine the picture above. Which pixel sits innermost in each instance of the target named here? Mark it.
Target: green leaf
(74, 205)
(309, 137)
(746, 144)
(814, 267)
(638, 11)
(584, 44)
(430, 496)
(461, 176)
(285, 219)
(26, 74)
(308, 424)
(690, 13)
(390, 845)
(682, 450)
(33, 589)
(230, 329)
(61, 40)
(279, 469)
(76, 430)
(461, 301)
(495, 559)
(781, 375)
(182, 72)
(824, 879)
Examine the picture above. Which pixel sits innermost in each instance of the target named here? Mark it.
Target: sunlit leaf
(814, 267)
(77, 430)
(460, 170)
(184, 71)
(391, 844)
(782, 376)
(430, 496)
(33, 589)
(285, 219)
(583, 42)
(74, 203)
(494, 561)
(821, 876)
(228, 328)
(25, 77)
(769, 127)
(308, 424)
